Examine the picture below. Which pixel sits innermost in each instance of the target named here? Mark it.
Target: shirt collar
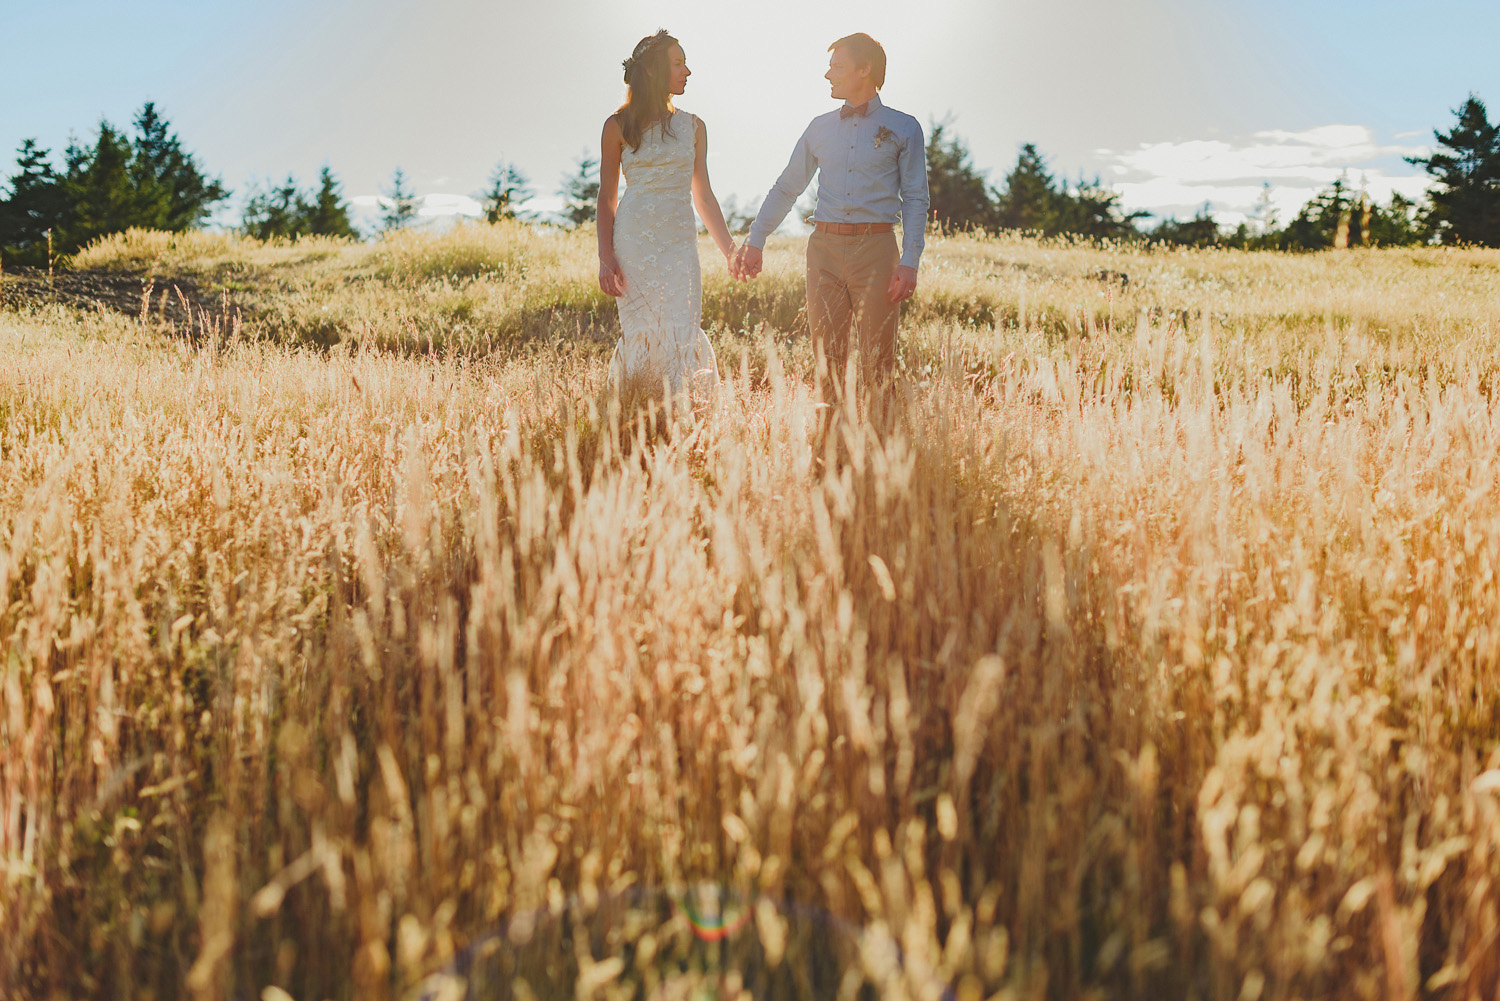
(874, 105)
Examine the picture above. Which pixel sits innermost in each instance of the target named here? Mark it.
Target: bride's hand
(611, 278)
(749, 260)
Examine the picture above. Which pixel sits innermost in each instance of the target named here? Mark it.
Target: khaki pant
(847, 308)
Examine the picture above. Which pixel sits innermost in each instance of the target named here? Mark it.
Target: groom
(871, 163)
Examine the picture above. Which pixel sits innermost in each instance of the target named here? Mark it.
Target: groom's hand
(749, 261)
(903, 283)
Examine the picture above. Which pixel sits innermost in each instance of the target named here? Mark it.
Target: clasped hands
(747, 262)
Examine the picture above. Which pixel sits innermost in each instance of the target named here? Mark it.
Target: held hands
(611, 278)
(746, 263)
(903, 283)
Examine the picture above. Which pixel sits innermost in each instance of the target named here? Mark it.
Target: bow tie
(854, 109)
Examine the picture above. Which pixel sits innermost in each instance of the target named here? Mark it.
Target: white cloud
(449, 205)
(546, 205)
(1177, 178)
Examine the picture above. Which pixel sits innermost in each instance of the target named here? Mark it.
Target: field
(357, 643)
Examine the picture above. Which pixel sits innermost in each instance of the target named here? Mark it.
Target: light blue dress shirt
(871, 168)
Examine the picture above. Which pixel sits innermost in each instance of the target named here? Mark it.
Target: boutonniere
(882, 134)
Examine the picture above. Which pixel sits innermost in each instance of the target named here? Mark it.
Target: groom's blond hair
(865, 51)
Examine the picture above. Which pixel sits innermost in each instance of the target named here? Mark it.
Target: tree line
(148, 180)
(1461, 207)
(111, 184)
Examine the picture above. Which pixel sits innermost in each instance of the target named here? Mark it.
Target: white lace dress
(656, 243)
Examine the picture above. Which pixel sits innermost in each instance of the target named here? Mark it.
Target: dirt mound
(174, 300)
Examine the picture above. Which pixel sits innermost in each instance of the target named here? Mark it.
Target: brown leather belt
(854, 228)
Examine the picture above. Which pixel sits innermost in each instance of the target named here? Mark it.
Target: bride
(648, 242)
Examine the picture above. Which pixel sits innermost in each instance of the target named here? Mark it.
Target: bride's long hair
(648, 72)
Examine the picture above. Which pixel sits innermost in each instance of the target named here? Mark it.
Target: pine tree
(1199, 231)
(580, 193)
(280, 211)
(508, 189)
(1401, 223)
(329, 213)
(173, 193)
(36, 204)
(400, 204)
(1263, 216)
(1028, 199)
(1091, 210)
(286, 211)
(1317, 223)
(1466, 200)
(958, 195)
(112, 184)
(101, 190)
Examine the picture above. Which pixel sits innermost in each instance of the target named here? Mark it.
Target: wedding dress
(656, 244)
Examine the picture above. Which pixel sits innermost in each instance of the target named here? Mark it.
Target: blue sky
(1175, 102)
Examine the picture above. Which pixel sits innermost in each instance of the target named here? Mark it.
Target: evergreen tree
(1027, 201)
(958, 196)
(328, 215)
(1263, 216)
(580, 193)
(1401, 223)
(101, 190)
(1316, 224)
(1242, 237)
(400, 206)
(112, 184)
(37, 204)
(280, 211)
(1091, 210)
(1034, 201)
(173, 193)
(508, 189)
(1466, 200)
(1199, 231)
(286, 211)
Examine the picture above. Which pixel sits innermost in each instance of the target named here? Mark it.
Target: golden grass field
(365, 647)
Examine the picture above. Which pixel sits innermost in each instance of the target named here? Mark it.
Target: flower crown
(644, 48)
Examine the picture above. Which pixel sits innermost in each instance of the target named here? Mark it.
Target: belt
(854, 228)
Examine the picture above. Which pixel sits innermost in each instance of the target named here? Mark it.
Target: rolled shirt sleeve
(785, 192)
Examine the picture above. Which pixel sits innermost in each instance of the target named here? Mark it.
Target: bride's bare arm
(611, 278)
(704, 200)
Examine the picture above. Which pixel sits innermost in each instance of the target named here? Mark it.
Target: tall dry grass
(1151, 658)
(479, 288)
